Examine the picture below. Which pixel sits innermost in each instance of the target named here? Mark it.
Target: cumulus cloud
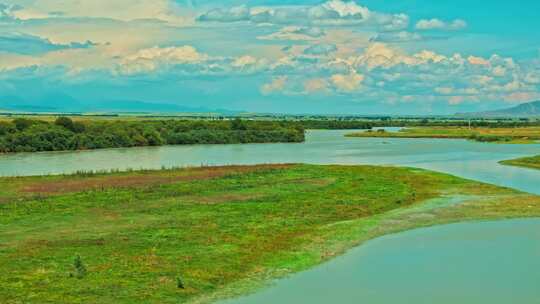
(474, 60)
(348, 82)
(316, 85)
(151, 59)
(276, 85)
(437, 24)
(333, 12)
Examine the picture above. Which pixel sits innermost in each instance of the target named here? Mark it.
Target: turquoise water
(492, 262)
(486, 262)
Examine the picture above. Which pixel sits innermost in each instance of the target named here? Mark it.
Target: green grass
(497, 135)
(527, 162)
(220, 231)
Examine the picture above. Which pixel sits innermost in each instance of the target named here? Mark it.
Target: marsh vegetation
(527, 162)
(481, 134)
(193, 235)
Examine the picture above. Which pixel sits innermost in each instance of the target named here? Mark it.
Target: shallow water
(486, 262)
(493, 262)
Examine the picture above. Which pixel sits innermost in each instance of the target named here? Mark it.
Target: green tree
(65, 122)
(22, 123)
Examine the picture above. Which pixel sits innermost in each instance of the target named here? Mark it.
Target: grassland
(218, 231)
(527, 162)
(499, 135)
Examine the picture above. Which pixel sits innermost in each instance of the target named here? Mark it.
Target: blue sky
(335, 56)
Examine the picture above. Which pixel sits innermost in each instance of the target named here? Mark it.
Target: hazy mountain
(66, 104)
(529, 109)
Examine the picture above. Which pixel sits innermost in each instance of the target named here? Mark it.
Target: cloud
(402, 36)
(519, 97)
(333, 12)
(474, 60)
(276, 85)
(7, 11)
(437, 24)
(532, 78)
(151, 59)
(320, 49)
(295, 33)
(499, 71)
(124, 10)
(315, 85)
(25, 44)
(347, 82)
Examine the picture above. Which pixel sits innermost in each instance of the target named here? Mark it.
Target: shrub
(80, 269)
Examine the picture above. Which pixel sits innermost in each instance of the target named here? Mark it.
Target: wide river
(484, 262)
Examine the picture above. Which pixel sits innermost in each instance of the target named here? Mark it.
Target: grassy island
(527, 162)
(199, 234)
(482, 134)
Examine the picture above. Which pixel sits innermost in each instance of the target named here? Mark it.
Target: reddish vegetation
(142, 179)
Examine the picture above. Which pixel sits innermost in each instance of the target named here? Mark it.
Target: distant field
(528, 162)
(501, 135)
(194, 235)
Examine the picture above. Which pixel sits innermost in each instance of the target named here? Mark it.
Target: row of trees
(26, 135)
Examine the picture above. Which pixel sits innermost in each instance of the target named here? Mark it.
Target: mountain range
(524, 110)
(64, 104)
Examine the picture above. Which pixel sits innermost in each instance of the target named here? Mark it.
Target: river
(484, 262)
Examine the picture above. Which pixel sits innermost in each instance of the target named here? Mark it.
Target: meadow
(482, 134)
(527, 162)
(195, 235)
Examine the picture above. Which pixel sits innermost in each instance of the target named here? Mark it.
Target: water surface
(468, 263)
(460, 157)
(493, 262)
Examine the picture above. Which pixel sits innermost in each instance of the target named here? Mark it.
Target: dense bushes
(491, 138)
(25, 135)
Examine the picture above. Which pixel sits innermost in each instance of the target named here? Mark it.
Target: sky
(366, 57)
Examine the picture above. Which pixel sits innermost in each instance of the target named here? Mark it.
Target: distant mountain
(529, 109)
(66, 104)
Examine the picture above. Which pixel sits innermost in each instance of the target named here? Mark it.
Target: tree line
(30, 135)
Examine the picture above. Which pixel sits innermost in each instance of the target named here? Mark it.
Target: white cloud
(125, 10)
(499, 71)
(402, 36)
(474, 60)
(150, 59)
(444, 90)
(333, 12)
(519, 97)
(295, 33)
(347, 82)
(532, 78)
(315, 85)
(276, 85)
(437, 24)
(456, 100)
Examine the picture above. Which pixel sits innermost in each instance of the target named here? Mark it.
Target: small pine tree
(180, 283)
(80, 269)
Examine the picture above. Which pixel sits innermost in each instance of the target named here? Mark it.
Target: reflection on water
(460, 157)
(489, 262)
